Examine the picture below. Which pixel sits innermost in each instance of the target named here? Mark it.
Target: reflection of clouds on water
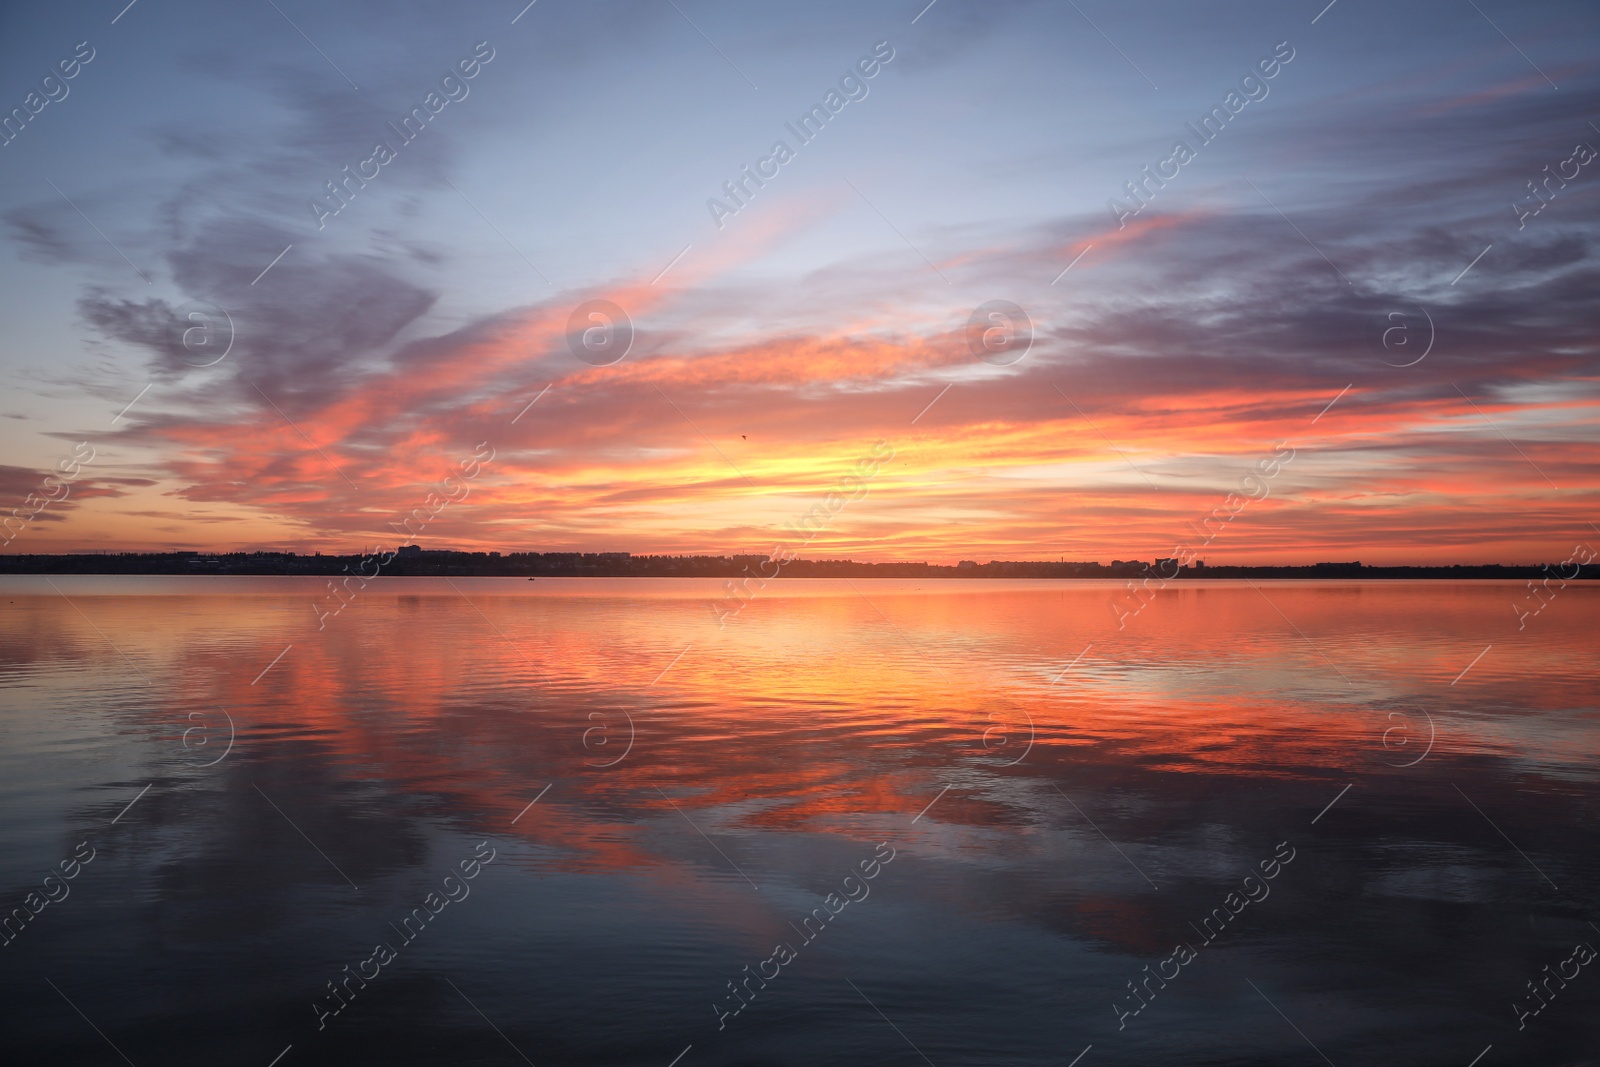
(1188, 744)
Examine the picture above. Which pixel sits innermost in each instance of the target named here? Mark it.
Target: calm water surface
(682, 819)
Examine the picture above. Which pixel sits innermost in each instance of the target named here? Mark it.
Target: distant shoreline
(418, 563)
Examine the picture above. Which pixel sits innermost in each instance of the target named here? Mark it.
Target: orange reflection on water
(823, 705)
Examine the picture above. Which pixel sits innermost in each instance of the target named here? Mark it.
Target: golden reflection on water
(823, 703)
(669, 797)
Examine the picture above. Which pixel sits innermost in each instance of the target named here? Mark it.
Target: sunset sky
(1362, 212)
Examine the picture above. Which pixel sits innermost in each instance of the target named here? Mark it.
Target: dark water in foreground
(1022, 875)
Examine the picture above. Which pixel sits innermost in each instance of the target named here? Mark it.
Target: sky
(1356, 313)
